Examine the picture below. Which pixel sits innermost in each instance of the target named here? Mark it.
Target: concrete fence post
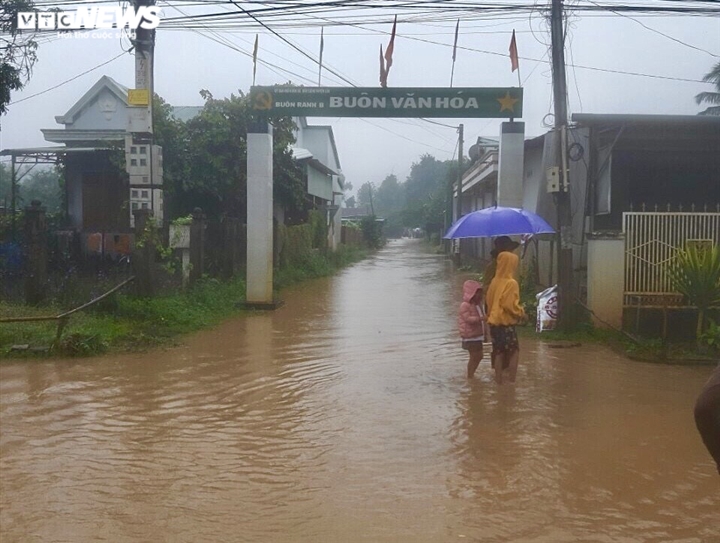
(606, 277)
(197, 245)
(36, 256)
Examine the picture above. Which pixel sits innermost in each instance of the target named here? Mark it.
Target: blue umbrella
(498, 221)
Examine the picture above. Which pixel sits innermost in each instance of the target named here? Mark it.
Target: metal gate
(651, 239)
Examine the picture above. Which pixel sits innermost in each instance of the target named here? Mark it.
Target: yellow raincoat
(503, 296)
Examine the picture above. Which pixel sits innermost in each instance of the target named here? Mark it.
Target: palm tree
(713, 76)
(695, 273)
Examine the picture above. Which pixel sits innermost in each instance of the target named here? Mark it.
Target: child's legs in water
(474, 361)
(514, 359)
(500, 361)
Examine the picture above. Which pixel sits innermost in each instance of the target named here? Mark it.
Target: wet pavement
(346, 416)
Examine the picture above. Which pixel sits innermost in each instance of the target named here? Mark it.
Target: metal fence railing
(651, 240)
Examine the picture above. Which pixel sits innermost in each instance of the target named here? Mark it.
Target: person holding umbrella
(502, 244)
(504, 312)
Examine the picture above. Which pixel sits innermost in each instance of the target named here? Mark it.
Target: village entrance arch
(494, 102)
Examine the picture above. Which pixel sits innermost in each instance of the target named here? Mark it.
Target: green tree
(372, 231)
(171, 134)
(44, 185)
(206, 158)
(713, 76)
(17, 51)
(388, 203)
(425, 177)
(389, 196)
(4, 184)
(695, 273)
(366, 196)
(426, 192)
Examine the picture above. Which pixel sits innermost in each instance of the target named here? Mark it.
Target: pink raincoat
(471, 320)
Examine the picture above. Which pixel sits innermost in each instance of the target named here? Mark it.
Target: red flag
(390, 48)
(514, 61)
(457, 27)
(383, 71)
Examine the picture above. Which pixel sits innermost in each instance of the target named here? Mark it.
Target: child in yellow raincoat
(504, 312)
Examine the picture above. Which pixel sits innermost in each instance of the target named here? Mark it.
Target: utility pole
(13, 196)
(140, 126)
(564, 215)
(144, 44)
(461, 131)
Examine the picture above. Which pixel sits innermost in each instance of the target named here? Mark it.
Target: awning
(300, 153)
(47, 154)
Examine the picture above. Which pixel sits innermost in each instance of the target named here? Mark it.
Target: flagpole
(452, 72)
(519, 80)
(322, 29)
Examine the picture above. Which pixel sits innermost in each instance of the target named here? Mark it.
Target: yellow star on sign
(507, 102)
(263, 101)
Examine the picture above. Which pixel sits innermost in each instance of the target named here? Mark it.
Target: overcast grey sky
(370, 149)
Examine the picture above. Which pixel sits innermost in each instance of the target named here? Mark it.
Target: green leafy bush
(711, 336)
(695, 273)
(79, 344)
(372, 231)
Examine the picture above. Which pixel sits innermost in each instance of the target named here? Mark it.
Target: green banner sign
(389, 102)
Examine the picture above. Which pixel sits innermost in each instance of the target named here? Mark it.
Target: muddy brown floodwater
(346, 416)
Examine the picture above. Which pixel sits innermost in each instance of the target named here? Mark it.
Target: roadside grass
(317, 264)
(643, 349)
(124, 323)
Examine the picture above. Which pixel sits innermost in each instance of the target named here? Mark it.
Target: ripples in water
(345, 416)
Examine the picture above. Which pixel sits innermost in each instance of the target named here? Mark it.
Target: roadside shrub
(79, 344)
(372, 231)
(695, 273)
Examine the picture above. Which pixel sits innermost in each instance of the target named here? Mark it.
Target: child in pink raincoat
(471, 323)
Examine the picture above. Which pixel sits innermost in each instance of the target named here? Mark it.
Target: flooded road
(346, 416)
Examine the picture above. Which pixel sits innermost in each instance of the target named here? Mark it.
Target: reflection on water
(345, 416)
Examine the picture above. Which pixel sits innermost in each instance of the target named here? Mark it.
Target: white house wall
(533, 178)
(319, 184)
(104, 112)
(317, 140)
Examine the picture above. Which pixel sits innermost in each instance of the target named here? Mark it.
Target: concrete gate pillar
(606, 277)
(259, 288)
(511, 160)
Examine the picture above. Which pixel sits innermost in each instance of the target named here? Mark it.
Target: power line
(292, 44)
(68, 80)
(227, 43)
(423, 40)
(676, 40)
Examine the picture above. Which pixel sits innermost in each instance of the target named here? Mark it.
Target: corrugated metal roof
(50, 150)
(674, 120)
(300, 153)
